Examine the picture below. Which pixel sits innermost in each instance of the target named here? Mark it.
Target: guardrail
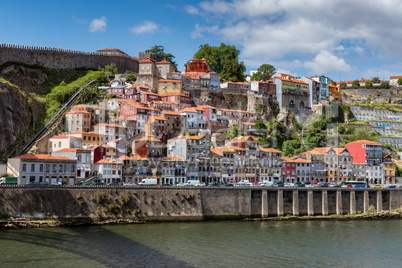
(53, 119)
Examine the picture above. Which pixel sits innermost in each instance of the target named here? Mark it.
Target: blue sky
(342, 39)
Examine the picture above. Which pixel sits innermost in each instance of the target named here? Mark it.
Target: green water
(208, 244)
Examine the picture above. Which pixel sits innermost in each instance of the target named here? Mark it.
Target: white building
(62, 142)
(109, 170)
(42, 168)
(83, 158)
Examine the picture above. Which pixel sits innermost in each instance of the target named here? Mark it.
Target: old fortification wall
(56, 58)
(370, 113)
(190, 203)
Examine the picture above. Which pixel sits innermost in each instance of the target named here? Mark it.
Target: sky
(342, 39)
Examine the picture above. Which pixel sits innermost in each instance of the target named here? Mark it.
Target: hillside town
(152, 128)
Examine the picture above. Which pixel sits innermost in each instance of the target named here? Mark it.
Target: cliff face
(18, 112)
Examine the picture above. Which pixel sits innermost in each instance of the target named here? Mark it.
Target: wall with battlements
(56, 58)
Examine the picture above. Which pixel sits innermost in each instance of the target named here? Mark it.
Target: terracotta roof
(236, 111)
(148, 61)
(188, 137)
(269, 150)
(395, 76)
(174, 94)
(157, 117)
(150, 93)
(42, 157)
(241, 139)
(163, 62)
(108, 161)
(169, 80)
(173, 158)
(206, 107)
(171, 113)
(188, 110)
(366, 142)
(248, 123)
(109, 125)
(79, 112)
(60, 137)
(148, 138)
(214, 152)
(311, 152)
(68, 150)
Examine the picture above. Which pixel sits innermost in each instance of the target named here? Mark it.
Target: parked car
(88, 183)
(290, 184)
(78, 183)
(130, 184)
(228, 185)
(322, 184)
(216, 184)
(114, 183)
(393, 186)
(266, 184)
(376, 186)
(279, 184)
(299, 184)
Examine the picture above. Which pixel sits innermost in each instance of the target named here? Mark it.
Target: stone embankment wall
(153, 203)
(368, 113)
(56, 58)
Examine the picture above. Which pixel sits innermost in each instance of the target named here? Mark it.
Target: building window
(32, 167)
(41, 168)
(24, 167)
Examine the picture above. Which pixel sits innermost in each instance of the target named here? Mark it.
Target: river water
(208, 244)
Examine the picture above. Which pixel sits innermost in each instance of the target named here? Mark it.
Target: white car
(290, 184)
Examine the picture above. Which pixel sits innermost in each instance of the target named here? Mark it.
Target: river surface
(208, 244)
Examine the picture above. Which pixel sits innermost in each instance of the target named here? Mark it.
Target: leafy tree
(233, 71)
(333, 83)
(399, 81)
(160, 54)
(376, 80)
(290, 146)
(368, 84)
(110, 69)
(224, 60)
(264, 73)
(356, 83)
(259, 124)
(101, 79)
(131, 78)
(398, 171)
(261, 107)
(343, 84)
(233, 131)
(384, 84)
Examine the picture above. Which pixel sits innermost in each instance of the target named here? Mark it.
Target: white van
(147, 182)
(192, 183)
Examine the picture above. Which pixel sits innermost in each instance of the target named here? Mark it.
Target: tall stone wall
(56, 58)
(153, 203)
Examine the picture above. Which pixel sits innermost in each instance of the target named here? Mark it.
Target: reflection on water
(208, 244)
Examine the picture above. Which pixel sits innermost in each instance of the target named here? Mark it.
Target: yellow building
(171, 86)
(335, 92)
(389, 170)
(90, 138)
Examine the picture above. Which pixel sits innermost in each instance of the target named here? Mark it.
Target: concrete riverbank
(93, 205)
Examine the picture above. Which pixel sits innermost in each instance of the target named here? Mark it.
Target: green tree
(259, 124)
(233, 71)
(110, 69)
(399, 81)
(290, 147)
(101, 79)
(224, 60)
(333, 83)
(264, 73)
(131, 78)
(261, 107)
(356, 83)
(384, 84)
(233, 131)
(160, 54)
(343, 84)
(368, 84)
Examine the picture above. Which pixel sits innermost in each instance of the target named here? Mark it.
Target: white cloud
(272, 30)
(191, 9)
(325, 61)
(145, 27)
(98, 25)
(198, 31)
(79, 20)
